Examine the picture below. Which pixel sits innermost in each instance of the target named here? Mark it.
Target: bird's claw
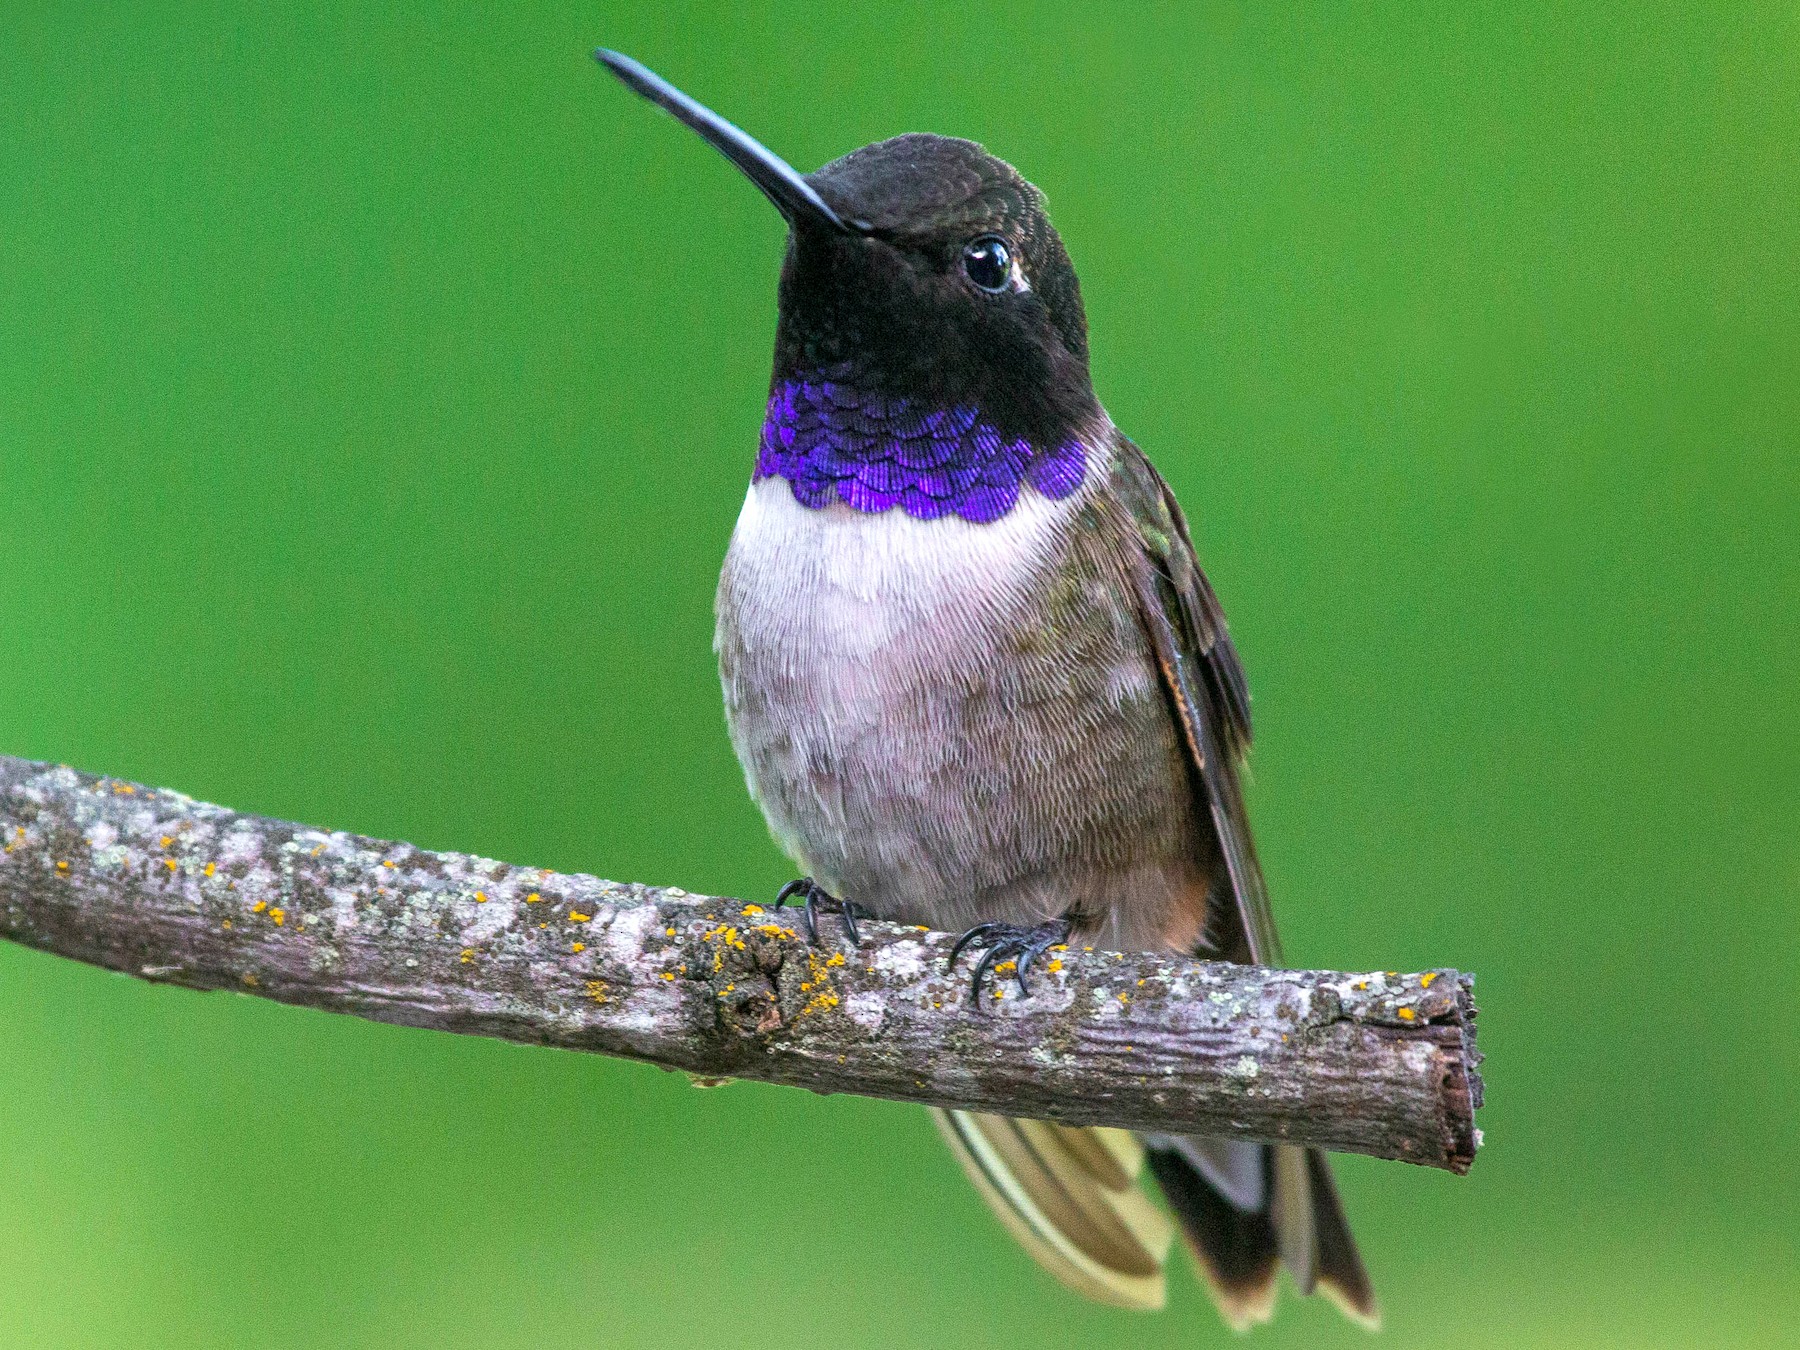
(1009, 942)
(817, 900)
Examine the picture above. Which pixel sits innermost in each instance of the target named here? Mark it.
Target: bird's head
(920, 272)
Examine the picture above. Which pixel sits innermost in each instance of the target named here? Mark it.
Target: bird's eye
(988, 262)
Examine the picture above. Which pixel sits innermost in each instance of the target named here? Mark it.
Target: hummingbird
(977, 680)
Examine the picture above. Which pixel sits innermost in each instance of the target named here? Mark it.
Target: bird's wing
(1069, 1195)
(1207, 695)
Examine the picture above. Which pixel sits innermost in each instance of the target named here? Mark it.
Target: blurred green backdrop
(377, 391)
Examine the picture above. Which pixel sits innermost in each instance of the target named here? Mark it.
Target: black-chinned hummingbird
(977, 680)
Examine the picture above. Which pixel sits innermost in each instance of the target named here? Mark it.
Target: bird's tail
(1071, 1198)
(1248, 1209)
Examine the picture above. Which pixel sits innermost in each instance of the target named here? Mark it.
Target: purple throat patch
(834, 442)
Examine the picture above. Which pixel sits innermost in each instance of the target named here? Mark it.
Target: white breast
(855, 584)
(848, 643)
(949, 721)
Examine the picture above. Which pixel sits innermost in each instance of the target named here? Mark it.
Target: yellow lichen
(226, 924)
(481, 897)
(1056, 965)
(596, 990)
(251, 980)
(668, 974)
(727, 935)
(279, 916)
(668, 932)
(533, 898)
(578, 946)
(61, 866)
(818, 983)
(259, 906)
(468, 956)
(576, 916)
(1407, 1014)
(387, 862)
(1426, 979)
(208, 869)
(749, 910)
(171, 864)
(1124, 998)
(166, 840)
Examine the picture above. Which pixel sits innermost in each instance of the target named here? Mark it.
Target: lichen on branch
(155, 884)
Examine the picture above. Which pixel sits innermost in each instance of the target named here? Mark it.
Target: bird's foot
(817, 900)
(1009, 942)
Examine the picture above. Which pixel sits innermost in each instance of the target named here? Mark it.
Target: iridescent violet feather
(833, 442)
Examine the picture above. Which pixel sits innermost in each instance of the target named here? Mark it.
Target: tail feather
(1071, 1198)
(1115, 1157)
(1291, 1211)
(1342, 1277)
(1237, 1171)
(1234, 1248)
(1073, 1203)
(1241, 1233)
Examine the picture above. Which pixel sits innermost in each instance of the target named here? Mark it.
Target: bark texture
(157, 885)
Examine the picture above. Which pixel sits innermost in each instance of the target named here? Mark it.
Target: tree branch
(157, 885)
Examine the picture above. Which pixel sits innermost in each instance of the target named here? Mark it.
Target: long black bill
(780, 182)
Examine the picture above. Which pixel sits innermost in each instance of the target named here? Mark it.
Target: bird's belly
(947, 722)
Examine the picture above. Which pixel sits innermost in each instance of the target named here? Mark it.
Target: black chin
(864, 313)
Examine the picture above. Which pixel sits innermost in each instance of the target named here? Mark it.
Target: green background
(377, 392)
